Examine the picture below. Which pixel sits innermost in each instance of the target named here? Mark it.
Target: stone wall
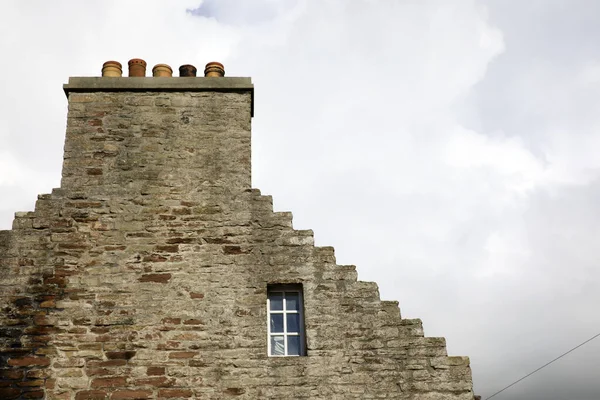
(145, 275)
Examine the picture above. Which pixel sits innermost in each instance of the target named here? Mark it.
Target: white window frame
(296, 289)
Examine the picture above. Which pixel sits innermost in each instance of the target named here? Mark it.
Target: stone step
(346, 273)
(391, 309)
(411, 327)
(366, 293)
(325, 254)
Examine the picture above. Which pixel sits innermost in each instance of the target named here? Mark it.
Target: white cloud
(13, 171)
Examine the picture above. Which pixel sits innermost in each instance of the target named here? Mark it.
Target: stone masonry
(145, 275)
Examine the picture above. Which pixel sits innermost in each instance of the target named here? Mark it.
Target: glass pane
(276, 323)
(276, 301)
(293, 323)
(292, 301)
(293, 345)
(277, 346)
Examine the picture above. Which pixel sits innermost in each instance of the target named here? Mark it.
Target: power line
(544, 366)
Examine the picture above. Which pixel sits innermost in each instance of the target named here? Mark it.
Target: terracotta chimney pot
(214, 69)
(187, 70)
(160, 70)
(137, 67)
(112, 69)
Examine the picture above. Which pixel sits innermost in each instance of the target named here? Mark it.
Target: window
(286, 320)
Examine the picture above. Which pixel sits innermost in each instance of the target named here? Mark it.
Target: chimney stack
(177, 135)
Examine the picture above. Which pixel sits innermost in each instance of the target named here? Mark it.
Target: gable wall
(145, 275)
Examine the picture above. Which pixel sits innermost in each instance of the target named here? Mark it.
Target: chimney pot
(214, 69)
(137, 67)
(112, 69)
(187, 70)
(160, 70)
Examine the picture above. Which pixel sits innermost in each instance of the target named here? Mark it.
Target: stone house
(157, 271)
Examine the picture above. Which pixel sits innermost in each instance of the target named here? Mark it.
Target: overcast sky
(449, 149)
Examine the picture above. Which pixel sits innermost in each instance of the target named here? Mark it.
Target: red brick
(131, 394)
(174, 321)
(217, 240)
(91, 395)
(173, 393)
(29, 362)
(64, 271)
(172, 248)
(94, 171)
(40, 330)
(34, 394)
(104, 338)
(41, 320)
(157, 278)
(11, 374)
(181, 240)
(196, 295)
(97, 372)
(113, 248)
(108, 382)
(154, 258)
(31, 383)
(169, 345)
(232, 250)
(48, 304)
(155, 371)
(9, 393)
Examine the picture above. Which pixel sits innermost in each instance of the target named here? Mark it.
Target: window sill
(286, 360)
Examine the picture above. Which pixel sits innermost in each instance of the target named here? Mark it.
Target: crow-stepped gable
(156, 271)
